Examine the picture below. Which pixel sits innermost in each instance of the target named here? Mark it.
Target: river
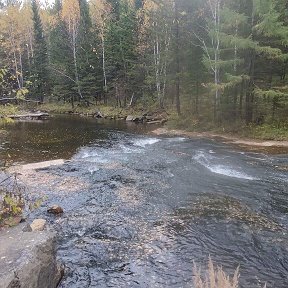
(139, 210)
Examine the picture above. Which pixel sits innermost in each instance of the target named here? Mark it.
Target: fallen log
(35, 116)
(157, 121)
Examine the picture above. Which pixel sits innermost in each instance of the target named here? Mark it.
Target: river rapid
(139, 209)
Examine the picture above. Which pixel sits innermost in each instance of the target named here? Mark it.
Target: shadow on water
(139, 210)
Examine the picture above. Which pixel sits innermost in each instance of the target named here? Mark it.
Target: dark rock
(27, 228)
(28, 259)
(55, 209)
(98, 114)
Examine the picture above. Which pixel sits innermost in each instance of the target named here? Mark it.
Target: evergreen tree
(61, 58)
(121, 51)
(88, 63)
(40, 74)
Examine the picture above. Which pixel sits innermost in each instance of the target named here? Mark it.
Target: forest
(212, 62)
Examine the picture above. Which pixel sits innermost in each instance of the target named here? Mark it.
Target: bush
(12, 201)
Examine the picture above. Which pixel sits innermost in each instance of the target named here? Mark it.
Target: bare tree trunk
(104, 66)
(21, 69)
(241, 99)
(197, 98)
(75, 63)
(157, 59)
(216, 58)
(178, 108)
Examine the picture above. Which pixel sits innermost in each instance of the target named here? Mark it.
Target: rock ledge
(28, 259)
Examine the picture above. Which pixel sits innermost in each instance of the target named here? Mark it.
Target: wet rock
(28, 259)
(38, 225)
(27, 228)
(55, 209)
(131, 118)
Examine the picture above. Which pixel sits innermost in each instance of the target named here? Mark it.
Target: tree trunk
(75, 63)
(177, 52)
(197, 99)
(250, 91)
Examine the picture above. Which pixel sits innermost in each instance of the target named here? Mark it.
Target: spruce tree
(40, 74)
(87, 62)
(61, 58)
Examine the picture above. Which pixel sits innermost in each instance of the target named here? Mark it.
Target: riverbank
(254, 136)
(271, 146)
(259, 133)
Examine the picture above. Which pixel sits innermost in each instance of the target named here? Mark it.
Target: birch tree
(71, 17)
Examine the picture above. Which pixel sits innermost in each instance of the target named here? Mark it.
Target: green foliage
(228, 68)
(8, 110)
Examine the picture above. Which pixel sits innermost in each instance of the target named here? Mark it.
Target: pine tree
(40, 74)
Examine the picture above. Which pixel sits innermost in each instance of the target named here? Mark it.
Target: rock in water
(55, 209)
(38, 225)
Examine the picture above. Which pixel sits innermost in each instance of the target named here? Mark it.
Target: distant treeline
(217, 60)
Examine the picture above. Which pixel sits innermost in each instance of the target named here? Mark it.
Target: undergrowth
(266, 131)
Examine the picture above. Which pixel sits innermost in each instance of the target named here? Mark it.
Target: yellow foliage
(71, 14)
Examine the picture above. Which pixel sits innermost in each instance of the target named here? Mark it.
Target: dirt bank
(273, 147)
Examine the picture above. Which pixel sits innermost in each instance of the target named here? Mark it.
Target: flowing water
(140, 209)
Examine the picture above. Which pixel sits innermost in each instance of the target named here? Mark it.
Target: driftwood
(157, 121)
(35, 116)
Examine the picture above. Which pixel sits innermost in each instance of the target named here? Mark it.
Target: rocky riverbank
(271, 146)
(28, 259)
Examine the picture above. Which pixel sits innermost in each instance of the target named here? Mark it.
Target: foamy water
(206, 160)
(145, 141)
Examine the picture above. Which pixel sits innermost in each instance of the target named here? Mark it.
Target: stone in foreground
(28, 259)
(38, 225)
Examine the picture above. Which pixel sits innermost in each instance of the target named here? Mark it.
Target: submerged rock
(28, 259)
(55, 209)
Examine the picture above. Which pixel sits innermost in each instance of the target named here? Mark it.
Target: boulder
(28, 259)
(55, 209)
(98, 114)
(130, 118)
(38, 225)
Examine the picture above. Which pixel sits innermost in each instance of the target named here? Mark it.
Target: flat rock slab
(28, 259)
(35, 166)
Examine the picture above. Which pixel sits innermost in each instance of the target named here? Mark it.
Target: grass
(215, 277)
(267, 131)
(8, 110)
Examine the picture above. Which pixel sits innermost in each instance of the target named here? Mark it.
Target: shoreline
(159, 118)
(253, 145)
